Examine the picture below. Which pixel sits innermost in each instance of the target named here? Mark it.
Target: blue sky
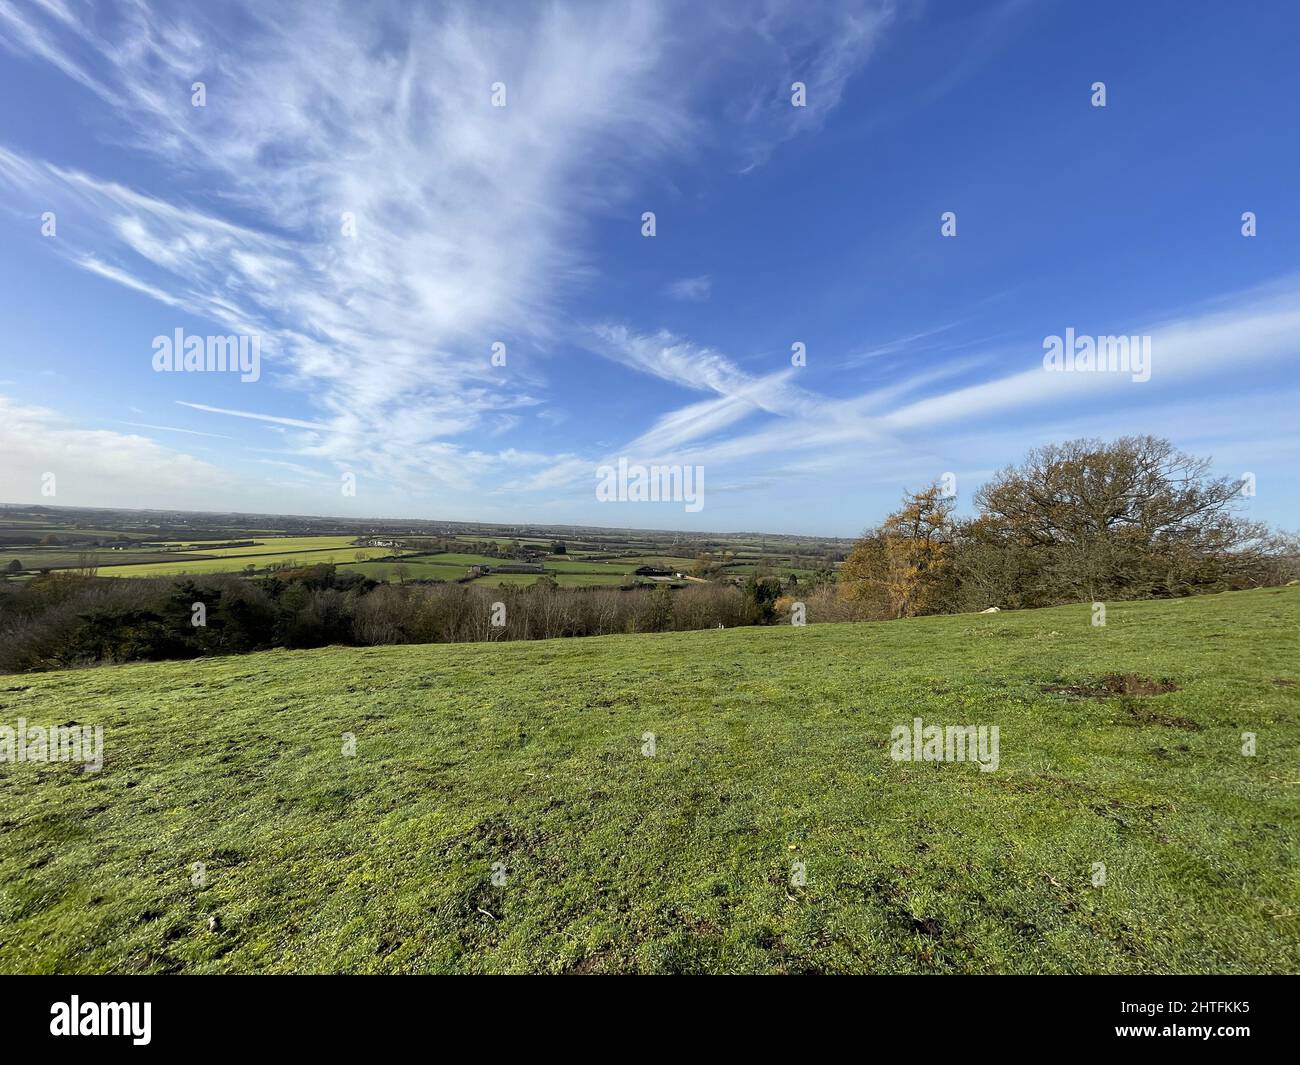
(522, 225)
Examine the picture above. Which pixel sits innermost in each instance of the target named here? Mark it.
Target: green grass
(772, 748)
(454, 567)
(427, 569)
(631, 562)
(744, 569)
(464, 561)
(587, 579)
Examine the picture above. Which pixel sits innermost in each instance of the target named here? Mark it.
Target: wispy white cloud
(1227, 338)
(274, 419)
(175, 429)
(1250, 329)
(465, 213)
(470, 220)
(912, 342)
(820, 44)
(95, 467)
(691, 289)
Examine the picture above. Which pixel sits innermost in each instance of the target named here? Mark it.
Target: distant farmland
(33, 539)
(198, 557)
(435, 568)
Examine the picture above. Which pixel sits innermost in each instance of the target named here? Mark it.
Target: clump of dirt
(927, 926)
(600, 963)
(1113, 684)
(1144, 715)
(1136, 684)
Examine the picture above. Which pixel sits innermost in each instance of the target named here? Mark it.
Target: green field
(559, 565)
(39, 558)
(304, 550)
(455, 566)
(414, 569)
(584, 566)
(586, 579)
(462, 559)
(772, 748)
(237, 563)
(269, 545)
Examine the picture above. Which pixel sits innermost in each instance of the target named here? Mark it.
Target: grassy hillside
(772, 748)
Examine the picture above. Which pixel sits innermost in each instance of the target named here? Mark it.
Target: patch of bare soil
(1145, 715)
(1113, 684)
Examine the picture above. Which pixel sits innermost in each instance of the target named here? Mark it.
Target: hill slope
(772, 748)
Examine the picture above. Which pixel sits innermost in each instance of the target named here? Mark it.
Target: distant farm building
(508, 567)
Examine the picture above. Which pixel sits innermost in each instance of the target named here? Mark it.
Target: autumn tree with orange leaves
(898, 568)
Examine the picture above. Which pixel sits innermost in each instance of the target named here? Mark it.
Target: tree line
(63, 620)
(1083, 521)
(1076, 522)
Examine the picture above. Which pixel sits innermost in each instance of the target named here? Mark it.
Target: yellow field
(306, 550)
(267, 545)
